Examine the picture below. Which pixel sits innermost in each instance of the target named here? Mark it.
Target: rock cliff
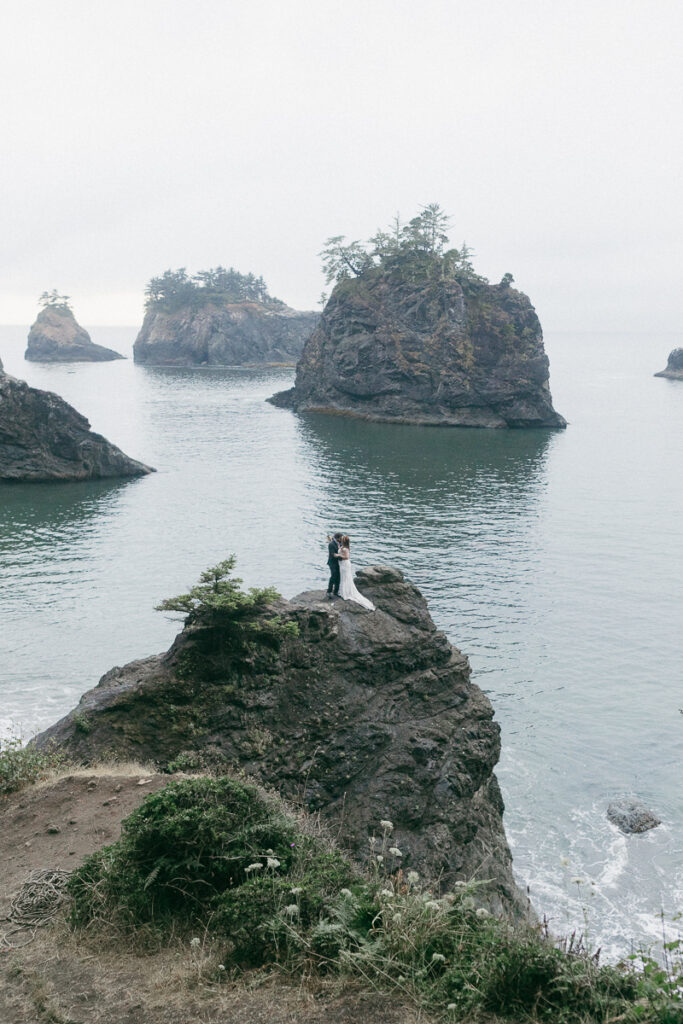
(56, 337)
(42, 437)
(674, 366)
(448, 352)
(362, 715)
(223, 334)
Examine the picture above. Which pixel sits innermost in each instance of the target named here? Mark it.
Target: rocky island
(361, 716)
(42, 437)
(674, 366)
(218, 317)
(56, 337)
(411, 334)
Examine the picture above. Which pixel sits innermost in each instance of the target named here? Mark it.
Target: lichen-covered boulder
(632, 816)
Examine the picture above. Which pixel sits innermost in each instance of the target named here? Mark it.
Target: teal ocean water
(554, 560)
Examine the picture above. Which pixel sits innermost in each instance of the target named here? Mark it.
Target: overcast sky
(144, 135)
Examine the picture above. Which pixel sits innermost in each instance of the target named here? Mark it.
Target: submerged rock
(446, 352)
(631, 816)
(674, 366)
(363, 716)
(56, 337)
(223, 334)
(42, 437)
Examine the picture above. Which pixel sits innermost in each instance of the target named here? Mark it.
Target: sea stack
(42, 437)
(363, 716)
(218, 318)
(56, 337)
(674, 366)
(411, 334)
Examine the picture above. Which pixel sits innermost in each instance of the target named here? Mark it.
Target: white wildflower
(482, 912)
(413, 878)
(272, 862)
(438, 958)
(194, 943)
(386, 892)
(387, 825)
(452, 1006)
(433, 905)
(397, 918)
(380, 858)
(221, 967)
(296, 890)
(373, 841)
(292, 910)
(395, 852)
(468, 903)
(578, 881)
(346, 893)
(401, 978)
(460, 885)
(256, 866)
(564, 862)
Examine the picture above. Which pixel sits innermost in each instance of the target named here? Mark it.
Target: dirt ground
(48, 976)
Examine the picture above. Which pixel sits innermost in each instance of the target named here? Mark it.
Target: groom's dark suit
(333, 562)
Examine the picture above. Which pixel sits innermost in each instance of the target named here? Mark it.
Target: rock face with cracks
(42, 437)
(56, 337)
(443, 353)
(223, 334)
(363, 716)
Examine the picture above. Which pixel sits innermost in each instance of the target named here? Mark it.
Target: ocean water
(554, 560)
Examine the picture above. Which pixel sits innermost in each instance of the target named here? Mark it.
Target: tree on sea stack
(53, 300)
(226, 620)
(411, 333)
(218, 595)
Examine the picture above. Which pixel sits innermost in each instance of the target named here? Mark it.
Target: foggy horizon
(146, 137)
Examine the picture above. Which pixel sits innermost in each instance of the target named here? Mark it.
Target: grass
(219, 863)
(22, 766)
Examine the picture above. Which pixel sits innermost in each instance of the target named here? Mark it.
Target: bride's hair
(346, 541)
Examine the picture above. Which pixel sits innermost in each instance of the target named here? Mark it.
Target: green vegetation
(53, 300)
(21, 766)
(230, 621)
(222, 857)
(415, 251)
(176, 289)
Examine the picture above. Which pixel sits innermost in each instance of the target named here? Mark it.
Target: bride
(347, 590)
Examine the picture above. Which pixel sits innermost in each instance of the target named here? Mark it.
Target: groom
(333, 557)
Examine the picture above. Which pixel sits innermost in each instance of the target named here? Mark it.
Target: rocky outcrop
(56, 337)
(363, 716)
(632, 816)
(223, 334)
(42, 437)
(446, 352)
(674, 365)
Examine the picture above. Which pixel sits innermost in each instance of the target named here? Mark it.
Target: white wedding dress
(347, 590)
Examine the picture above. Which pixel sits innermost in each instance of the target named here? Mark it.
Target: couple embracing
(341, 574)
